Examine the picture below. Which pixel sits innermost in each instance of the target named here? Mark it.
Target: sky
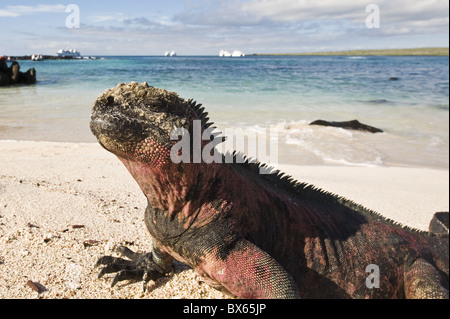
(204, 27)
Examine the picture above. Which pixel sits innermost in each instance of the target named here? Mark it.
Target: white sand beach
(63, 205)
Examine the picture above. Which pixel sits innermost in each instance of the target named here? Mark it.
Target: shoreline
(64, 204)
(438, 51)
(290, 153)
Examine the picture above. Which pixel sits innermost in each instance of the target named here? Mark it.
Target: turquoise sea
(284, 93)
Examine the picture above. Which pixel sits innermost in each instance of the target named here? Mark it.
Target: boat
(170, 54)
(235, 53)
(37, 57)
(72, 53)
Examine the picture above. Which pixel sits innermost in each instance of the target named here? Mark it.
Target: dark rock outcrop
(44, 57)
(12, 75)
(350, 125)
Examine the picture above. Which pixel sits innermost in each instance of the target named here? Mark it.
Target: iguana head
(134, 121)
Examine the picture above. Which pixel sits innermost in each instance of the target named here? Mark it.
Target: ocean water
(276, 94)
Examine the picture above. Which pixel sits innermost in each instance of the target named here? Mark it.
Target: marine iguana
(252, 235)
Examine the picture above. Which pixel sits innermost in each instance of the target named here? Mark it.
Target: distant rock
(44, 57)
(12, 75)
(379, 101)
(350, 125)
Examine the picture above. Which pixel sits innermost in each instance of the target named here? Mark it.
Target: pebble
(36, 286)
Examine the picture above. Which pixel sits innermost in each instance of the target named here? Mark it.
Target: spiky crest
(288, 183)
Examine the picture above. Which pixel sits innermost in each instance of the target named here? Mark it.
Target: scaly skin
(251, 235)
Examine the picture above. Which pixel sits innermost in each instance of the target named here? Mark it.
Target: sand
(62, 205)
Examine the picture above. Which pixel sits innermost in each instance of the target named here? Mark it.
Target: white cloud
(295, 24)
(281, 12)
(8, 13)
(288, 10)
(17, 11)
(206, 26)
(103, 18)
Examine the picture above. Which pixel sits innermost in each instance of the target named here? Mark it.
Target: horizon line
(343, 52)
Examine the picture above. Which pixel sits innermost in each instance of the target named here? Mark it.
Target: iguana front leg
(246, 271)
(140, 267)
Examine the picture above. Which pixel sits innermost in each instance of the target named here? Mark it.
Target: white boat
(226, 54)
(171, 53)
(37, 57)
(69, 53)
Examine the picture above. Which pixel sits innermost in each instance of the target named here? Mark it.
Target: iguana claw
(140, 267)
